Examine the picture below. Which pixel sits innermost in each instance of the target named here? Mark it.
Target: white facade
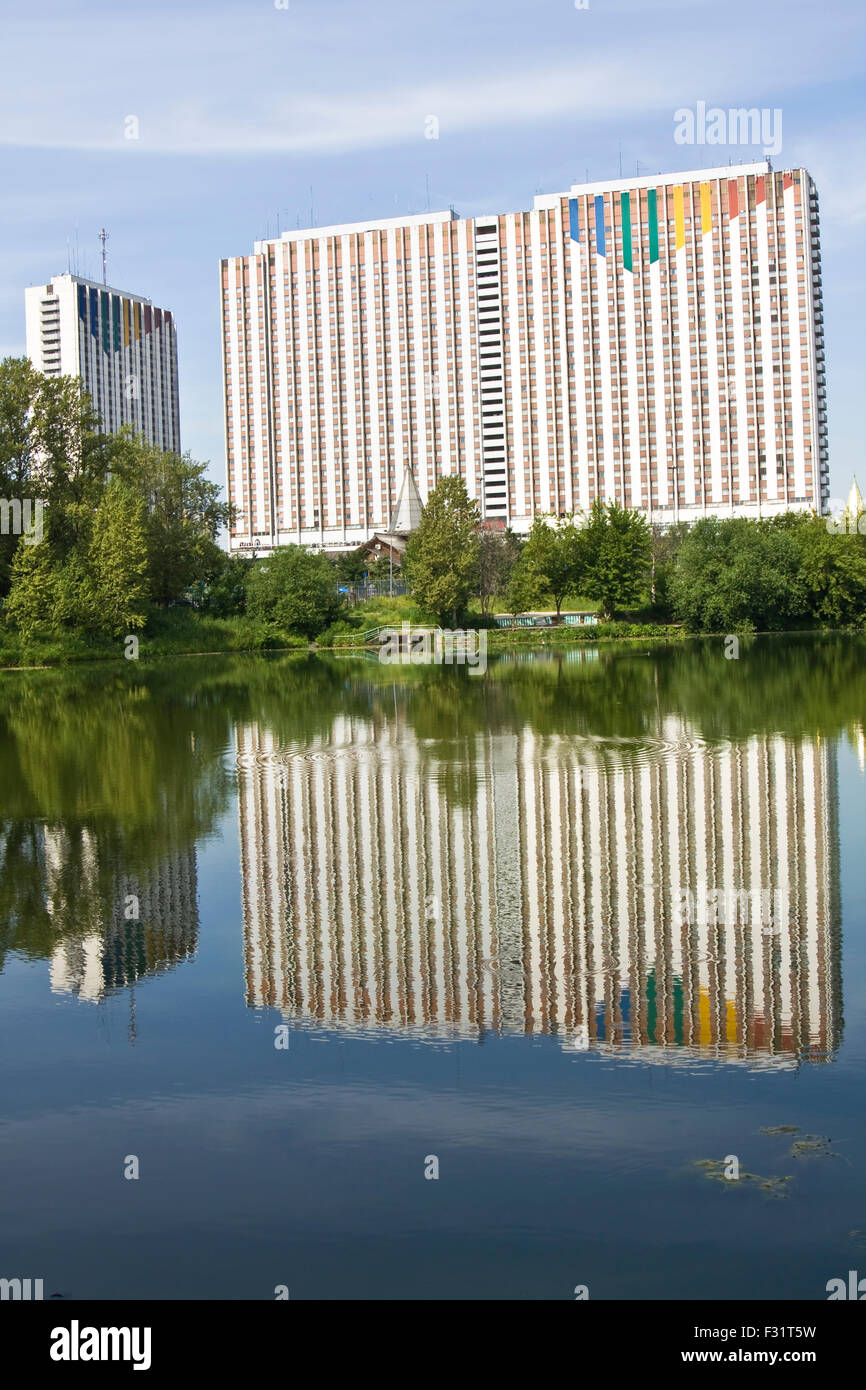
(657, 340)
(123, 349)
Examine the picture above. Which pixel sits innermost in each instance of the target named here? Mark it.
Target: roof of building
(407, 514)
(389, 538)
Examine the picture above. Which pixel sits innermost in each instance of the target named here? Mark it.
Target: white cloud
(230, 85)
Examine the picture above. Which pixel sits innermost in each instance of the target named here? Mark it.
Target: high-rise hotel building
(123, 349)
(655, 340)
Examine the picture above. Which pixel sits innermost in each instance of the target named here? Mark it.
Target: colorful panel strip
(599, 224)
(653, 216)
(625, 202)
(706, 208)
(573, 221)
(679, 219)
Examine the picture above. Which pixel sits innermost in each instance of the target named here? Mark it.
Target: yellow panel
(706, 208)
(679, 222)
(731, 1020)
(704, 1017)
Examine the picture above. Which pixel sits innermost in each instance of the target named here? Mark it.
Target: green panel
(652, 209)
(626, 231)
(678, 1011)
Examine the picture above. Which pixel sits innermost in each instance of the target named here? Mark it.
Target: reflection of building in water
(117, 948)
(565, 896)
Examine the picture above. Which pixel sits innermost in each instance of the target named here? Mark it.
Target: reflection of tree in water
(109, 781)
(111, 776)
(791, 684)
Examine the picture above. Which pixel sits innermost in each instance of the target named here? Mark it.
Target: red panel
(760, 189)
(733, 205)
(788, 181)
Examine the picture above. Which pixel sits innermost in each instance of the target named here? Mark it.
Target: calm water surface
(570, 928)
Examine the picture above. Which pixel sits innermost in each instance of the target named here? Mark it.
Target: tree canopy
(441, 560)
(294, 590)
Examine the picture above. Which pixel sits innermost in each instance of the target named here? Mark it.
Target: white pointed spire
(407, 513)
(855, 500)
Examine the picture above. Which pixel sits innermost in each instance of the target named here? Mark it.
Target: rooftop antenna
(103, 237)
(427, 186)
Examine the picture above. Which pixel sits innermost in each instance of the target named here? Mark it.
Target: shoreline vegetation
(109, 550)
(187, 633)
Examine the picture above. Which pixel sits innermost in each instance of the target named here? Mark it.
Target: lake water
(411, 982)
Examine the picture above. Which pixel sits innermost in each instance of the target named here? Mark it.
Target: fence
(357, 593)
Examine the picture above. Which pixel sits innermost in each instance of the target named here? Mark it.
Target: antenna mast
(103, 237)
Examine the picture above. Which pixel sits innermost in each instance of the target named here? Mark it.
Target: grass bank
(172, 632)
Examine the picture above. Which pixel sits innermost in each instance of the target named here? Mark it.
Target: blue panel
(82, 303)
(94, 313)
(599, 224)
(573, 219)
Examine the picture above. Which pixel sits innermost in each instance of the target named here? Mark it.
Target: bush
(293, 590)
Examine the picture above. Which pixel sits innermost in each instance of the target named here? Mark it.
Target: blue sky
(242, 107)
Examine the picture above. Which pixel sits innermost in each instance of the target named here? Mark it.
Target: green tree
(382, 571)
(350, 567)
(294, 590)
(833, 570)
(51, 450)
(616, 555)
(550, 564)
(498, 554)
(117, 559)
(74, 460)
(224, 591)
(183, 515)
(100, 588)
(666, 542)
(735, 574)
(34, 595)
(441, 561)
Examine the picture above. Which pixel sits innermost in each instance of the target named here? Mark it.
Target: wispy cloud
(268, 84)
